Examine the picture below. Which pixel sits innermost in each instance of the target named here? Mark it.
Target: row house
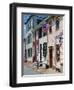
(31, 27)
(44, 40)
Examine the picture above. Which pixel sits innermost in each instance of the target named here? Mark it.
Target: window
(57, 24)
(58, 52)
(44, 33)
(50, 27)
(40, 32)
(45, 49)
(29, 39)
(38, 21)
(30, 52)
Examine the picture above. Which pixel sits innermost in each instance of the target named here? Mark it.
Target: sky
(27, 16)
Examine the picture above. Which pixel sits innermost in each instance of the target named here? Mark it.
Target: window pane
(40, 32)
(30, 52)
(29, 39)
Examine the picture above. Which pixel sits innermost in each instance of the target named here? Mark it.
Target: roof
(27, 17)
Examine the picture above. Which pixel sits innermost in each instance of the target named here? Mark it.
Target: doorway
(50, 56)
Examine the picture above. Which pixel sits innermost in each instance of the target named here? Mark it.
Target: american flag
(45, 27)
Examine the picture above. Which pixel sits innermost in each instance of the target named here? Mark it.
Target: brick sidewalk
(41, 70)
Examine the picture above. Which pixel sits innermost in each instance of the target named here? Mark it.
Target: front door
(50, 56)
